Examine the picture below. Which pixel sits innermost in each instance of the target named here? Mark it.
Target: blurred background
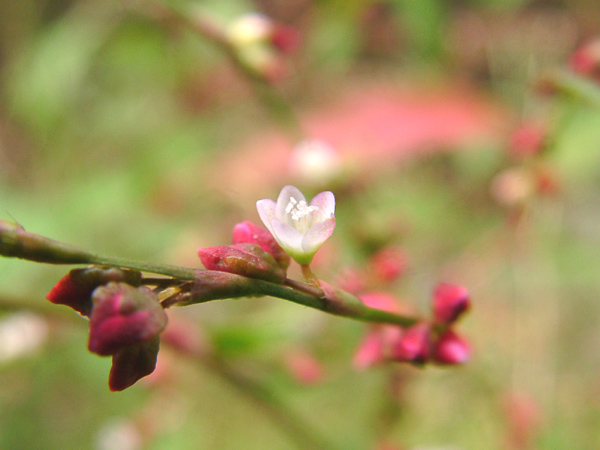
(461, 139)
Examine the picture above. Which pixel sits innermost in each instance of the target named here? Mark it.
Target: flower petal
(317, 234)
(284, 200)
(325, 203)
(287, 236)
(266, 211)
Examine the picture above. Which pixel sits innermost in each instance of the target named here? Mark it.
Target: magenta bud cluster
(126, 319)
(433, 341)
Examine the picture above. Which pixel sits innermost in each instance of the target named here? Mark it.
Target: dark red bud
(451, 349)
(414, 346)
(449, 302)
(123, 316)
(132, 363)
(249, 233)
(248, 260)
(75, 289)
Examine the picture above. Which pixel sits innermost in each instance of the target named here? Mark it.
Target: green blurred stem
(574, 86)
(300, 432)
(206, 285)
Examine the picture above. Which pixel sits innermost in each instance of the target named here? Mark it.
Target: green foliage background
(114, 124)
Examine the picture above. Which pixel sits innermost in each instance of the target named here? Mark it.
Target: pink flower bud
(123, 316)
(414, 346)
(449, 302)
(248, 232)
(75, 289)
(131, 363)
(248, 260)
(388, 264)
(451, 349)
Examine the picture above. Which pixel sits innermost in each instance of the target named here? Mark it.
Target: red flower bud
(414, 346)
(249, 233)
(123, 316)
(131, 363)
(451, 349)
(248, 260)
(75, 289)
(449, 302)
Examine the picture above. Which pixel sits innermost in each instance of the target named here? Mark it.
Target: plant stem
(207, 284)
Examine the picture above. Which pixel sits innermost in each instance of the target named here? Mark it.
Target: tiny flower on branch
(450, 301)
(298, 227)
(248, 260)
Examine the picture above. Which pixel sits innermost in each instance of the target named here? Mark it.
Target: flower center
(299, 211)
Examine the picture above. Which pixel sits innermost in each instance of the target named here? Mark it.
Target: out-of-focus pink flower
(449, 302)
(351, 280)
(514, 186)
(248, 232)
(388, 264)
(528, 140)
(375, 346)
(298, 227)
(586, 59)
(415, 345)
(524, 417)
(451, 349)
(380, 339)
(248, 260)
(304, 367)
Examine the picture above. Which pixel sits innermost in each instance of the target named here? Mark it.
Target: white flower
(298, 227)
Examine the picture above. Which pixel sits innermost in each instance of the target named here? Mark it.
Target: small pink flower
(450, 302)
(451, 349)
(300, 228)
